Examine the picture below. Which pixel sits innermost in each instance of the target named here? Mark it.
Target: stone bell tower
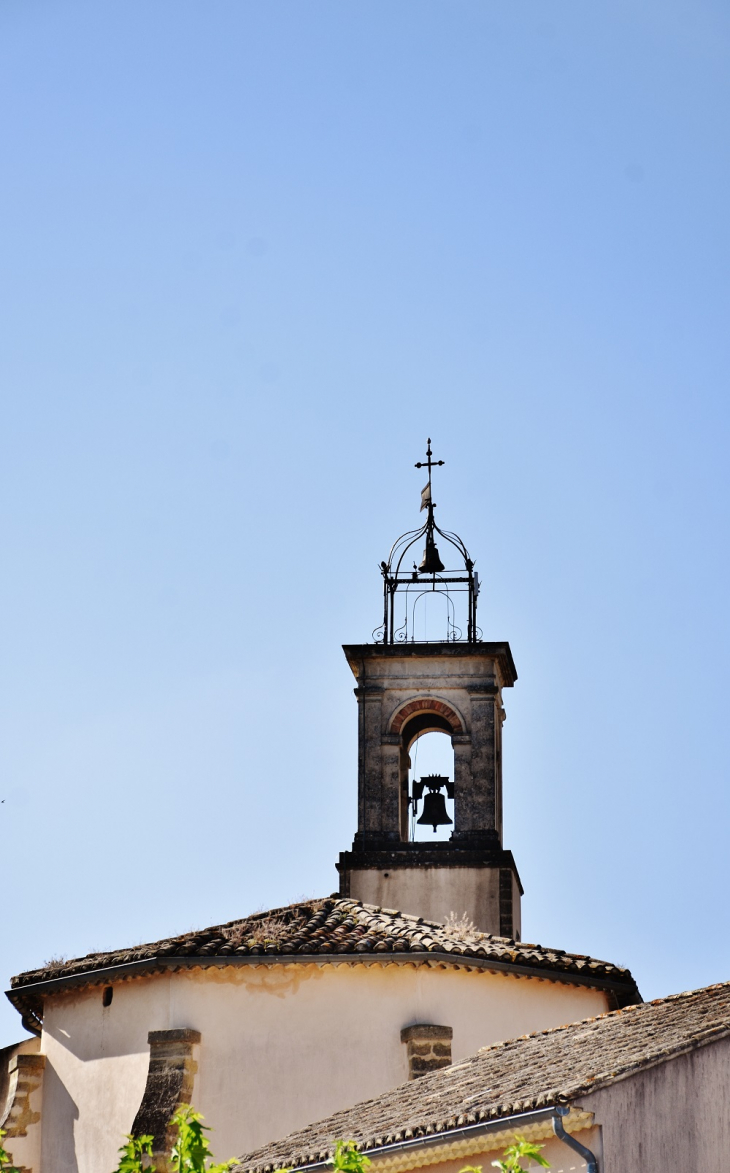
(406, 688)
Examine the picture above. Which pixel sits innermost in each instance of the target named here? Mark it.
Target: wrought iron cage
(430, 577)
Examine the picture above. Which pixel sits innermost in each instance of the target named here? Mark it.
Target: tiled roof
(524, 1074)
(326, 928)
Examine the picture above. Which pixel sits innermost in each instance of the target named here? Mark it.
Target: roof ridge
(633, 1007)
(650, 1059)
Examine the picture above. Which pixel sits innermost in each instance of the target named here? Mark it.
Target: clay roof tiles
(521, 1075)
(331, 927)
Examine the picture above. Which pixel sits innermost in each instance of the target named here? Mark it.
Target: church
(414, 964)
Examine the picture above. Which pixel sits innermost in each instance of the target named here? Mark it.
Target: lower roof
(522, 1075)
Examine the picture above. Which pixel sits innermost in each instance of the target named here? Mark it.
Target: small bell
(431, 563)
(434, 811)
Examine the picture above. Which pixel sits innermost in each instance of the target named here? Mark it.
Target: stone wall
(428, 1047)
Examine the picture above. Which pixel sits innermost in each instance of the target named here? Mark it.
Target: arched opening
(432, 757)
(427, 779)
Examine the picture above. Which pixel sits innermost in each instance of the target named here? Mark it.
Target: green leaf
(132, 1153)
(5, 1165)
(348, 1158)
(514, 1155)
(191, 1150)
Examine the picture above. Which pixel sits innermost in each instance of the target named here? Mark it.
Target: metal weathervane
(430, 577)
(426, 498)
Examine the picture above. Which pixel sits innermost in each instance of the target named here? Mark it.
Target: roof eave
(450, 1138)
(33, 992)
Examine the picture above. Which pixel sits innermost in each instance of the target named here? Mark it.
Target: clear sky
(251, 255)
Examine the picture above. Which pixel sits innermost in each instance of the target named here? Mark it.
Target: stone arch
(426, 705)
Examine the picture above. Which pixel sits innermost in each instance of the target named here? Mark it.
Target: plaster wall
(282, 1045)
(675, 1116)
(433, 892)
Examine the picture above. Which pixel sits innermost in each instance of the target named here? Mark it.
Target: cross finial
(426, 500)
(428, 463)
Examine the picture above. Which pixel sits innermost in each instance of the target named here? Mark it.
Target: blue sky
(251, 255)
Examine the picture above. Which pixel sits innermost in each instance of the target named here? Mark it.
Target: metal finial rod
(426, 498)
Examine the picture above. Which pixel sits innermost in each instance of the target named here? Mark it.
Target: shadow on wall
(62, 1145)
(90, 1024)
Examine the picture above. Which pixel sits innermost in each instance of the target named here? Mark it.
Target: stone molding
(428, 1047)
(452, 853)
(426, 705)
(498, 652)
(170, 1080)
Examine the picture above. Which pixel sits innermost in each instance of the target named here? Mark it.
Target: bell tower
(407, 687)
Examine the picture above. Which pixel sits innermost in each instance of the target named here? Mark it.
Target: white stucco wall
(282, 1045)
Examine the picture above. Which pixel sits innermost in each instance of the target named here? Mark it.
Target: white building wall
(282, 1045)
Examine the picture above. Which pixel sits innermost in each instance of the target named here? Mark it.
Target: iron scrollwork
(431, 576)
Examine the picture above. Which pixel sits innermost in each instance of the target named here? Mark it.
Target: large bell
(431, 563)
(434, 811)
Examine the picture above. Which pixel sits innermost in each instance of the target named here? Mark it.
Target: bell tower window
(431, 788)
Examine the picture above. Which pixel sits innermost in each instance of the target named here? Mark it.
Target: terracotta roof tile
(534, 1071)
(328, 927)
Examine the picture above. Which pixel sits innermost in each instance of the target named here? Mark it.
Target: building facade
(272, 1021)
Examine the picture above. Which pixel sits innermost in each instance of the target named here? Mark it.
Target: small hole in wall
(385, 875)
(107, 996)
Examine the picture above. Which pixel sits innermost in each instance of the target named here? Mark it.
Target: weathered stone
(170, 1080)
(26, 1075)
(428, 1047)
(403, 692)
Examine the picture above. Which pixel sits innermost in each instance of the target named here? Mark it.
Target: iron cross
(428, 462)
(426, 501)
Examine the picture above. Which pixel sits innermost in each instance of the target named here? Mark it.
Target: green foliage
(348, 1158)
(5, 1165)
(519, 1151)
(191, 1152)
(132, 1154)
